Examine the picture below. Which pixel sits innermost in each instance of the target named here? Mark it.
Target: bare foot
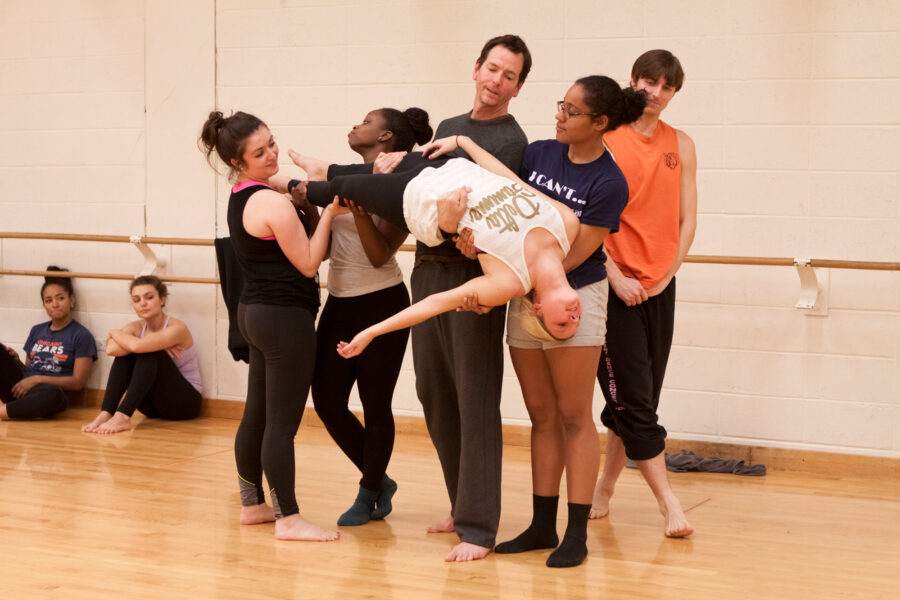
(295, 528)
(676, 522)
(600, 503)
(445, 526)
(253, 515)
(464, 551)
(118, 422)
(316, 170)
(99, 420)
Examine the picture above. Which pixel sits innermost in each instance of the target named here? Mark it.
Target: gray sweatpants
(458, 360)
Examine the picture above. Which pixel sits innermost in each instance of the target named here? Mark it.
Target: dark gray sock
(359, 511)
(383, 506)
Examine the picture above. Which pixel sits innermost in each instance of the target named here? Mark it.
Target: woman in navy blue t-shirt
(59, 355)
(557, 376)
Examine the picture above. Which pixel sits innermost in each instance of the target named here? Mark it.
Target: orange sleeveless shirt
(647, 241)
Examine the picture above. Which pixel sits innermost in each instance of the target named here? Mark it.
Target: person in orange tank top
(655, 234)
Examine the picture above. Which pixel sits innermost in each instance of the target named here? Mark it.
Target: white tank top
(349, 271)
(500, 212)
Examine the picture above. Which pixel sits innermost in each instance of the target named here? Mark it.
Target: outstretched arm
(490, 290)
(482, 157)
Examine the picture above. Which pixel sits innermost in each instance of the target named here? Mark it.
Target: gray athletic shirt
(501, 137)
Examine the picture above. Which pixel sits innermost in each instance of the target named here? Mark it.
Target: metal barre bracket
(813, 293)
(151, 261)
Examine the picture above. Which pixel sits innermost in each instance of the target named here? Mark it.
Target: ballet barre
(813, 296)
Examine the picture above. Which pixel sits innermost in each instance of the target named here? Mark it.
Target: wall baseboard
(780, 459)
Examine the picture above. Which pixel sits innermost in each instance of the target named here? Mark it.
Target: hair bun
(56, 269)
(418, 120)
(63, 282)
(635, 102)
(217, 119)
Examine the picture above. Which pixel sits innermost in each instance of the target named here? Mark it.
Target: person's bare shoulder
(265, 209)
(186, 340)
(684, 141)
(686, 149)
(269, 196)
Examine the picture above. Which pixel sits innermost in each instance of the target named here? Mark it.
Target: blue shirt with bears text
(596, 191)
(53, 353)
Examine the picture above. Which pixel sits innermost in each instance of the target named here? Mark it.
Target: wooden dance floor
(154, 514)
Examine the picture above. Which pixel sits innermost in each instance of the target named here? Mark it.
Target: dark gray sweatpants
(458, 360)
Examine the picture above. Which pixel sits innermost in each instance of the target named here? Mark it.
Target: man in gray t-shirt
(458, 356)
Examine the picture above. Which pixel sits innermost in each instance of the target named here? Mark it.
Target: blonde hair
(530, 323)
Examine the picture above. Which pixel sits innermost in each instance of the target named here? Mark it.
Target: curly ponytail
(227, 135)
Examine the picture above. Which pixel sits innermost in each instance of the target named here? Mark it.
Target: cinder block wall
(791, 103)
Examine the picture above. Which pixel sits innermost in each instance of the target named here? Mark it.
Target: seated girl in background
(365, 285)
(524, 234)
(155, 363)
(59, 355)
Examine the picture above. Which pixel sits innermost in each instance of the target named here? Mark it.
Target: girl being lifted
(521, 234)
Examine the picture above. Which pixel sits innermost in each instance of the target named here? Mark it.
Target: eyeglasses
(562, 108)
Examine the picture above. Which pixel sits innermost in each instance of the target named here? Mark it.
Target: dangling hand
(356, 345)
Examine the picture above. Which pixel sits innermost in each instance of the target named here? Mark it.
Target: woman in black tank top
(279, 247)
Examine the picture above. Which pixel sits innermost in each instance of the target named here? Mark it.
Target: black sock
(573, 549)
(542, 531)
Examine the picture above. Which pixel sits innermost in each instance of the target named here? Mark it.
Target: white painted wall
(792, 105)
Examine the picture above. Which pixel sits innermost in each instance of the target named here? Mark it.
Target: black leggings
(381, 194)
(632, 368)
(42, 401)
(375, 372)
(282, 342)
(153, 385)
